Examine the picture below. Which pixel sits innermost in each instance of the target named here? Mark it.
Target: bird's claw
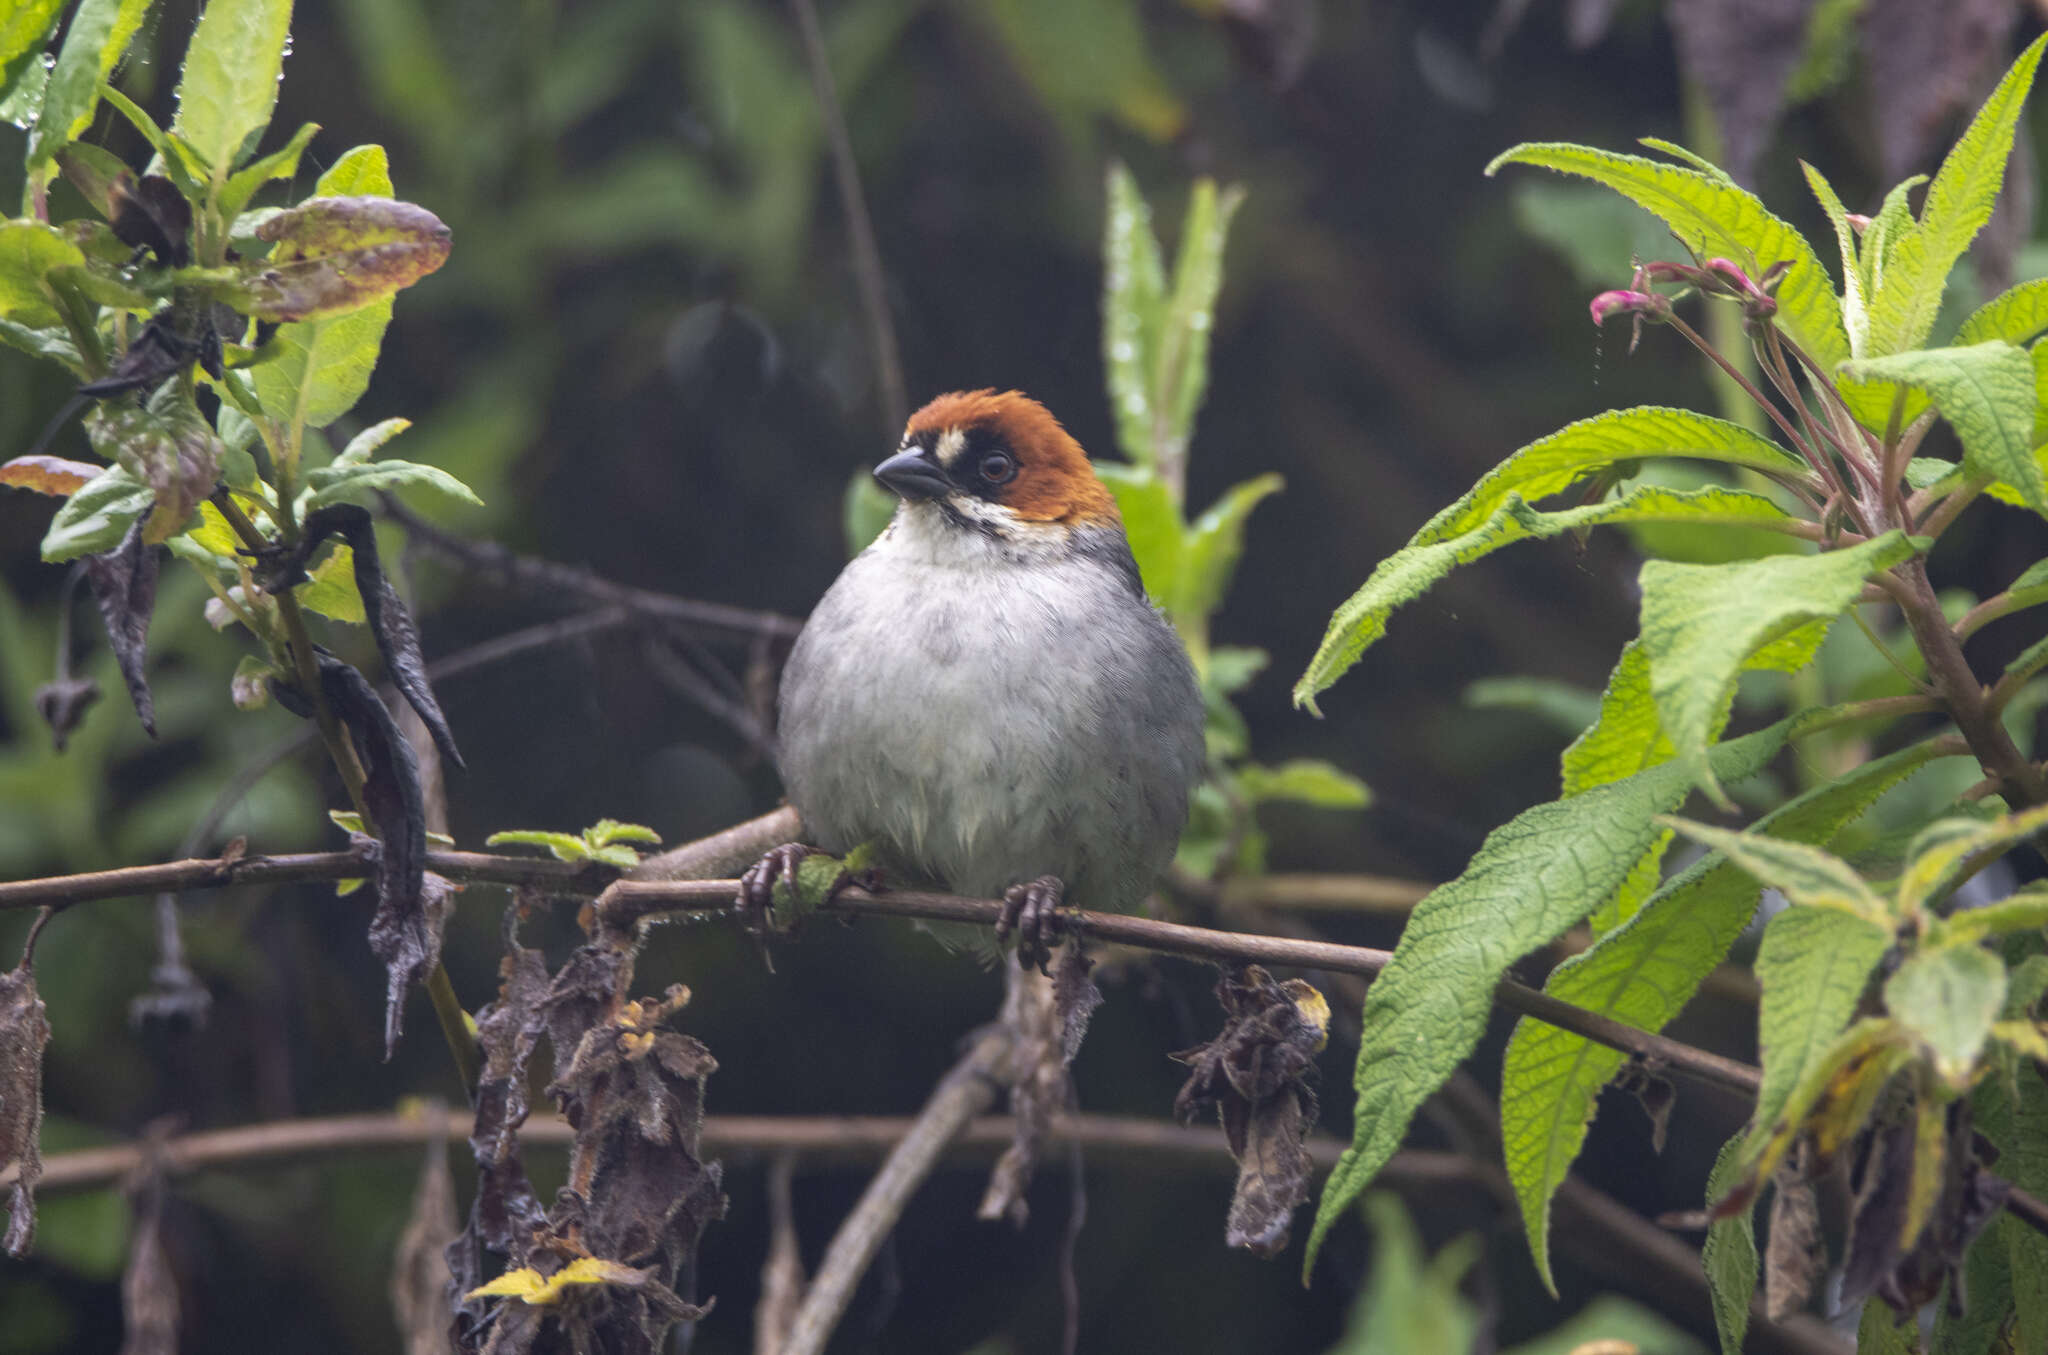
(1032, 912)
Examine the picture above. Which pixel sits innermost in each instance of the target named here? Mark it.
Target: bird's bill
(913, 475)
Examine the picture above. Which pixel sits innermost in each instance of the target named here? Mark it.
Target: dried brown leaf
(1794, 1257)
(124, 585)
(149, 1288)
(1654, 1093)
(24, 1030)
(1039, 1087)
(419, 1272)
(1970, 1197)
(333, 255)
(1258, 1073)
(47, 474)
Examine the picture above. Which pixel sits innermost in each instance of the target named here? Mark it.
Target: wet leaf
(229, 84)
(333, 255)
(48, 474)
(24, 1030)
(97, 516)
(1258, 1074)
(124, 584)
(390, 621)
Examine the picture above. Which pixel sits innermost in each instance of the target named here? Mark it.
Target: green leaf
(181, 163)
(94, 519)
(335, 483)
(232, 68)
(93, 45)
(1410, 572)
(330, 587)
(1308, 781)
(865, 511)
(1949, 997)
(1627, 737)
(1986, 391)
(1152, 525)
(1959, 202)
(53, 342)
(323, 366)
(565, 846)
(1182, 374)
(1701, 624)
(1531, 879)
(1882, 1332)
(1213, 543)
(1813, 966)
(1855, 279)
(1712, 216)
(1729, 1253)
(2018, 316)
(1564, 707)
(1807, 875)
(1133, 312)
(2023, 911)
(25, 29)
(29, 252)
(1643, 973)
(370, 441)
(1555, 463)
(1943, 850)
(605, 832)
(1408, 1304)
(1611, 1319)
(281, 163)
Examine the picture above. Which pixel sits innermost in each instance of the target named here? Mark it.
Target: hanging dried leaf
(149, 1288)
(1074, 998)
(1654, 1093)
(1970, 1196)
(1258, 1074)
(62, 705)
(124, 585)
(150, 213)
(1794, 1257)
(1039, 1088)
(419, 1272)
(1741, 53)
(24, 1030)
(398, 639)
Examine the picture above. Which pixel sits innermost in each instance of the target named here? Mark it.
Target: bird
(985, 698)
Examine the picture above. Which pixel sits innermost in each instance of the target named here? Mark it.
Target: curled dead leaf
(24, 1030)
(47, 474)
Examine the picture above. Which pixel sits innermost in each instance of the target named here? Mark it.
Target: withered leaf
(173, 450)
(1971, 1196)
(62, 705)
(334, 255)
(398, 639)
(47, 474)
(419, 1272)
(1741, 53)
(124, 585)
(1654, 1093)
(149, 1288)
(1038, 1084)
(1074, 998)
(1258, 1074)
(24, 1030)
(150, 213)
(1794, 1257)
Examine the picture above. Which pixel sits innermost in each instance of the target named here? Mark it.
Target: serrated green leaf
(1986, 392)
(1713, 217)
(175, 152)
(1701, 624)
(1949, 997)
(2023, 911)
(332, 484)
(1835, 1096)
(1531, 879)
(94, 44)
(2018, 316)
(1555, 463)
(1643, 973)
(281, 163)
(1729, 1253)
(25, 29)
(1881, 1332)
(370, 441)
(607, 831)
(1940, 852)
(1807, 875)
(1627, 737)
(330, 587)
(97, 516)
(1959, 201)
(1855, 283)
(1182, 375)
(1213, 543)
(229, 84)
(1152, 524)
(1813, 966)
(1308, 781)
(323, 366)
(1133, 312)
(1411, 571)
(29, 252)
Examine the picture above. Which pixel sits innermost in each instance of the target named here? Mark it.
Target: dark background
(646, 354)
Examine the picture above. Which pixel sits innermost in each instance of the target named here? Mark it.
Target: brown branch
(867, 259)
(493, 561)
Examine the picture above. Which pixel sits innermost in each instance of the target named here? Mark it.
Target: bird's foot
(808, 878)
(1032, 912)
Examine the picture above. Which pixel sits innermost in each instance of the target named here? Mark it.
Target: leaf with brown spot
(124, 585)
(1258, 1074)
(173, 451)
(24, 1030)
(47, 474)
(334, 255)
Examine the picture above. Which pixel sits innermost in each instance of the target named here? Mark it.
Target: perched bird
(985, 696)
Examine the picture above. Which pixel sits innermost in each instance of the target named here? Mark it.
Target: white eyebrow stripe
(951, 443)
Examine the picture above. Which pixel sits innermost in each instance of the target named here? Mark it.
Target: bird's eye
(997, 468)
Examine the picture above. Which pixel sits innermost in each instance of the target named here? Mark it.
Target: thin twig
(867, 259)
(968, 1090)
(35, 932)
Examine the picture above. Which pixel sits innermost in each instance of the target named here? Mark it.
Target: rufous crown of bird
(985, 701)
